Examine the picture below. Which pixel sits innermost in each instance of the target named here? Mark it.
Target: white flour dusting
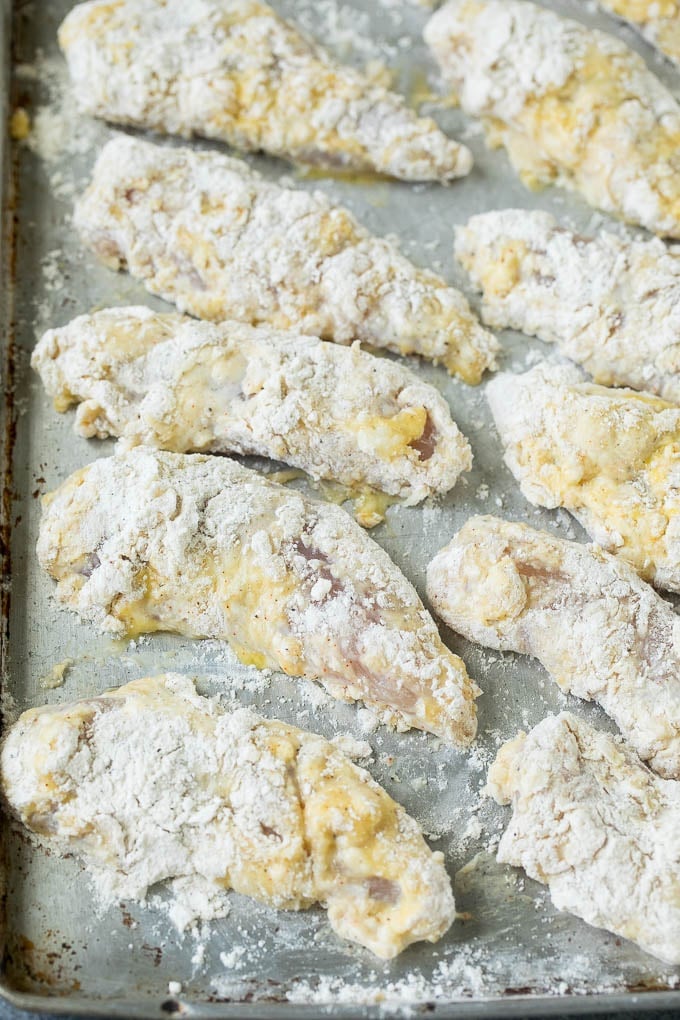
(152, 783)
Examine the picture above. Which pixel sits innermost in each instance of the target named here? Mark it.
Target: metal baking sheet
(513, 953)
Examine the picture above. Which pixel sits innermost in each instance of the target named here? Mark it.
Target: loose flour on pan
(597, 827)
(181, 385)
(601, 632)
(233, 70)
(611, 304)
(610, 457)
(206, 232)
(148, 541)
(572, 106)
(152, 782)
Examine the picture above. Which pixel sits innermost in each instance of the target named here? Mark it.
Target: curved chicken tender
(610, 457)
(148, 541)
(595, 826)
(610, 304)
(151, 782)
(208, 233)
(657, 20)
(246, 77)
(181, 385)
(571, 105)
(601, 632)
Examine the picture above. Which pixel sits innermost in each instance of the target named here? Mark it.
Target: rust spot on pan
(33, 968)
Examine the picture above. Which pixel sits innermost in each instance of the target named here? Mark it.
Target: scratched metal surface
(514, 953)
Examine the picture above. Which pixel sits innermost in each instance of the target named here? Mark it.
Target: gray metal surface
(512, 953)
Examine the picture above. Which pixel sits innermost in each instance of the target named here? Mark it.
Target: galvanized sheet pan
(513, 953)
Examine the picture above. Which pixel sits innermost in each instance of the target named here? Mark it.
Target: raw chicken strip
(182, 385)
(598, 828)
(148, 541)
(206, 232)
(610, 457)
(234, 71)
(657, 20)
(152, 782)
(601, 632)
(611, 304)
(571, 105)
